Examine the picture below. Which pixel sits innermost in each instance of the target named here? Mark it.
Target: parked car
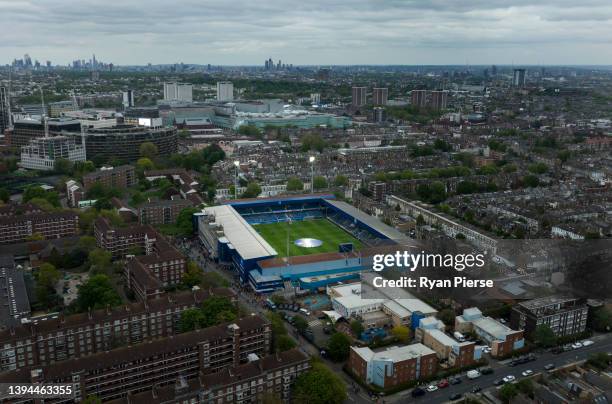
(455, 396)
(550, 366)
(454, 380)
(418, 392)
(499, 382)
(587, 343)
(443, 383)
(486, 371)
(476, 389)
(432, 387)
(527, 372)
(509, 379)
(576, 345)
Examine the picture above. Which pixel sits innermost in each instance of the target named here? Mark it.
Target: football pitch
(320, 229)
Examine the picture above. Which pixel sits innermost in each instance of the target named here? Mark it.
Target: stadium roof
(373, 222)
(239, 233)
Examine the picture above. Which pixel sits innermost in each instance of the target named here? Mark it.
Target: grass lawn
(321, 229)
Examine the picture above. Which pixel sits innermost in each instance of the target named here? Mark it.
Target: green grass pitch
(321, 229)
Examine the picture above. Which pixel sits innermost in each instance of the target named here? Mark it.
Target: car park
(527, 372)
(432, 387)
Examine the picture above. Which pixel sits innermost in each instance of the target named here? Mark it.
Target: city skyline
(555, 32)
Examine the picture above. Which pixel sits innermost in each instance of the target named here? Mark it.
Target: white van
(473, 374)
(305, 312)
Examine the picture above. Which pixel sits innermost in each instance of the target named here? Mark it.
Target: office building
(359, 96)
(26, 130)
(225, 91)
(42, 153)
(439, 100)
(128, 99)
(160, 362)
(123, 141)
(564, 315)
(393, 366)
(5, 110)
(47, 340)
(418, 98)
(178, 92)
(380, 96)
(121, 177)
(19, 228)
(501, 339)
(519, 78)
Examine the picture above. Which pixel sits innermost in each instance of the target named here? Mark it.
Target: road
(603, 343)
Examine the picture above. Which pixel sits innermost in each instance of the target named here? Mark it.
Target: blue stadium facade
(227, 234)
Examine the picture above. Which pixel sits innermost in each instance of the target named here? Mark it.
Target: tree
(564, 155)
(191, 319)
(602, 319)
(401, 332)
(544, 336)
(100, 260)
(184, 221)
(338, 347)
(86, 243)
(525, 386)
(340, 180)
(5, 195)
(192, 276)
(92, 400)
(63, 166)
(284, 343)
(300, 324)
(145, 163)
(600, 360)
(538, 168)
(38, 192)
(148, 150)
(217, 310)
(319, 182)
(294, 184)
(250, 130)
(319, 385)
(46, 279)
(531, 181)
(447, 316)
(357, 328)
(420, 220)
(252, 190)
(508, 392)
(97, 293)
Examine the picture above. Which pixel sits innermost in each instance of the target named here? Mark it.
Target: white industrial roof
(354, 301)
(441, 337)
(413, 305)
(239, 233)
(395, 354)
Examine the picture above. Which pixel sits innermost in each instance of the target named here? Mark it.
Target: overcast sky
(309, 31)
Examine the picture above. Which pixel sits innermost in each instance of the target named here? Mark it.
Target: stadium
(303, 242)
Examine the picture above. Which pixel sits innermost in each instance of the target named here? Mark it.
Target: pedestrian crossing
(315, 323)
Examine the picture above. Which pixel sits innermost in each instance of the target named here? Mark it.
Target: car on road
(527, 372)
(476, 389)
(499, 382)
(550, 366)
(418, 392)
(576, 345)
(486, 371)
(454, 380)
(432, 387)
(443, 384)
(587, 343)
(455, 396)
(473, 374)
(509, 379)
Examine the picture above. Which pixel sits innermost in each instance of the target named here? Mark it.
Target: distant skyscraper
(178, 92)
(379, 114)
(315, 98)
(380, 96)
(419, 98)
(359, 96)
(5, 117)
(225, 91)
(494, 70)
(519, 78)
(128, 99)
(439, 100)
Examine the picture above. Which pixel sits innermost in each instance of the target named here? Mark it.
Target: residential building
(518, 79)
(74, 193)
(359, 96)
(162, 212)
(225, 91)
(564, 315)
(47, 340)
(380, 96)
(439, 100)
(393, 366)
(128, 99)
(418, 98)
(21, 227)
(121, 177)
(15, 306)
(127, 370)
(5, 110)
(501, 339)
(178, 92)
(42, 153)
(457, 354)
(121, 241)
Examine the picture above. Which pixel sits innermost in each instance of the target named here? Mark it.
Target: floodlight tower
(236, 166)
(311, 159)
